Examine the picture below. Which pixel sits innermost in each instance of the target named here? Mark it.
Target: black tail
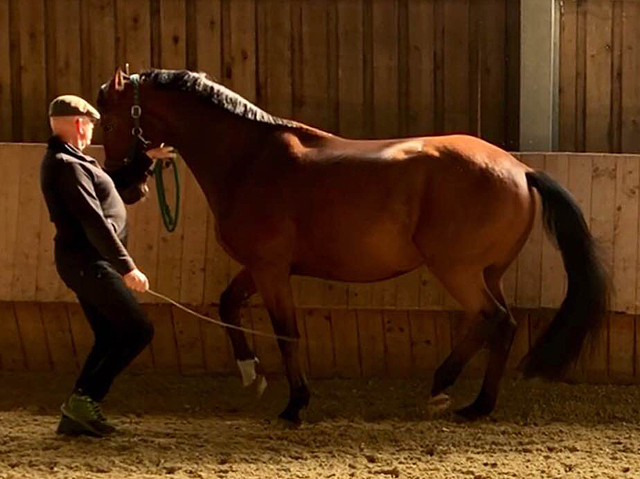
(587, 300)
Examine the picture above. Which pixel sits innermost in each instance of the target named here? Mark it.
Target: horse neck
(213, 142)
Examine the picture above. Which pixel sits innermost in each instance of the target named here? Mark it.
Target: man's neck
(74, 141)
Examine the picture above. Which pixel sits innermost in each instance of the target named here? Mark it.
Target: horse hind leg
(486, 316)
(499, 346)
(241, 288)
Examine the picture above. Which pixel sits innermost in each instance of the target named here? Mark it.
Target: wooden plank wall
(361, 68)
(599, 67)
(335, 342)
(400, 327)
(55, 336)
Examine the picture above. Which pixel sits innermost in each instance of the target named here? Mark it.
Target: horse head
(125, 140)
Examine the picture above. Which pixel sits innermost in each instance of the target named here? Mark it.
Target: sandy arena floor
(202, 427)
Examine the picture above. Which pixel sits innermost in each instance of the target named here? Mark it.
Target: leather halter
(136, 112)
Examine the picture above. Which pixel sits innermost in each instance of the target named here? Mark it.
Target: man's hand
(136, 280)
(161, 153)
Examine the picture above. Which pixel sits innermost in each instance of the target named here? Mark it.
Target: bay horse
(290, 199)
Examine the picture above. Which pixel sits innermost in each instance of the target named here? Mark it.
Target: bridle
(136, 114)
(169, 218)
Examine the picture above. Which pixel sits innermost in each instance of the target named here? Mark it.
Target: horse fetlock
(301, 396)
(298, 400)
(445, 376)
(291, 417)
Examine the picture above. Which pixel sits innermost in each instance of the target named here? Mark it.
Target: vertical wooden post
(538, 75)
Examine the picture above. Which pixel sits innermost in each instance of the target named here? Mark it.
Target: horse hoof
(261, 385)
(438, 404)
(291, 417)
(472, 413)
(288, 424)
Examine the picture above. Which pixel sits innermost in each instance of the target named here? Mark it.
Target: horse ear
(117, 83)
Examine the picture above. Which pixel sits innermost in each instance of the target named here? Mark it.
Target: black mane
(207, 89)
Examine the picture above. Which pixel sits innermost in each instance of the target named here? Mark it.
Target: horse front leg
(241, 288)
(274, 285)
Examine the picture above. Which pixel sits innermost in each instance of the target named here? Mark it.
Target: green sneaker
(69, 427)
(86, 413)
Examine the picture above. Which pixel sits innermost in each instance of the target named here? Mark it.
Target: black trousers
(120, 325)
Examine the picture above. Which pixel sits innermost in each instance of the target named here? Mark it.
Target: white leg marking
(248, 371)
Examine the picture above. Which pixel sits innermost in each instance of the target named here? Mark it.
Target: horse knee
(228, 305)
(240, 289)
(301, 396)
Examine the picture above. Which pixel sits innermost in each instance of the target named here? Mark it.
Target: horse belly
(363, 252)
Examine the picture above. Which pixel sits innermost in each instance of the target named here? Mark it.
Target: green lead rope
(169, 218)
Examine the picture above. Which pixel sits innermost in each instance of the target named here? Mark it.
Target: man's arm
(131, 173)
(78, 193)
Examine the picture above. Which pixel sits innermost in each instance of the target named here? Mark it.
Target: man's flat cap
(71, 105)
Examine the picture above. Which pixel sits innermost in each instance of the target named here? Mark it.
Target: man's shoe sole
(87, 427)
(71, 427)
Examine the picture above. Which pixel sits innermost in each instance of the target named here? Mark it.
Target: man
(91, 258)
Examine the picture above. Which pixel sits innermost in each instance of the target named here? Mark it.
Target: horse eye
(108, 128)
